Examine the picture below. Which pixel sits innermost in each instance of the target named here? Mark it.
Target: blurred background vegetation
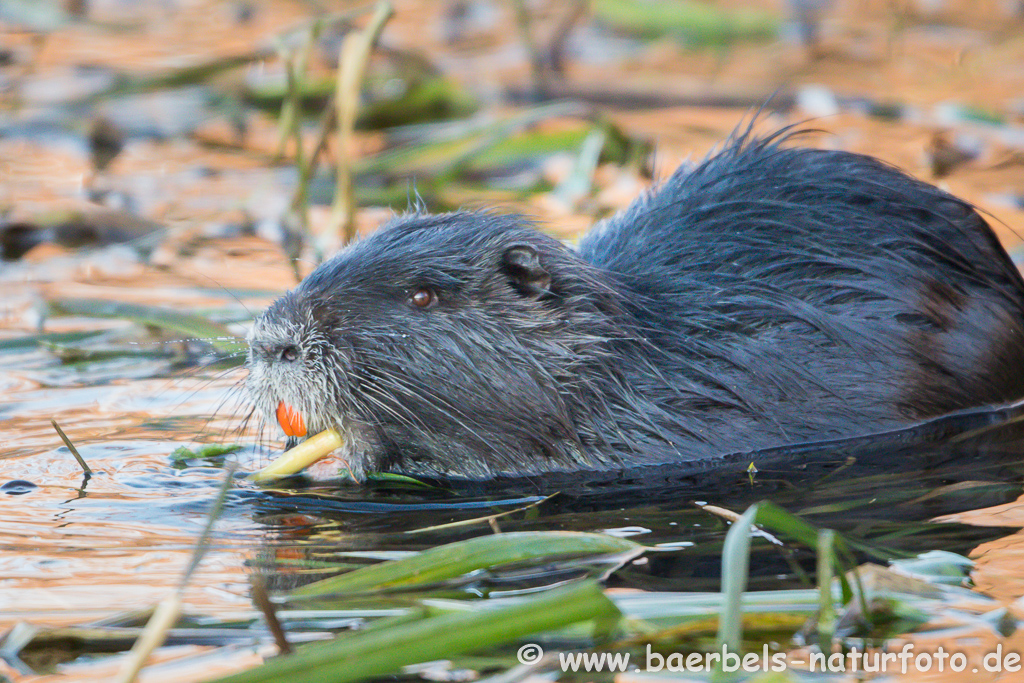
(219, 138)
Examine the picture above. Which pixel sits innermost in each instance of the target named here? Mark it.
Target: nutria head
(448, 345)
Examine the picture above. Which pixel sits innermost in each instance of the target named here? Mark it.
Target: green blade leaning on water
(456, 559)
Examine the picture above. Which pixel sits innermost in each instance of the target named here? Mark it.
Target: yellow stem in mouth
(302, 456)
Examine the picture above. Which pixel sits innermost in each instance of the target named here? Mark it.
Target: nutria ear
(522, 264)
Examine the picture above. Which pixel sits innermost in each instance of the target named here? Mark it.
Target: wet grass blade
(477, 147)
(164, 617)
(71, 447)
(263, 603)
(397, 480)
(128, 84)
(201, 328)
(735, 566)
(786, 523)
(456, 559)
(579, 183)
(49, 338)
(665, 607)
(696, 23)
(826, 573)
(352, 64)
(937, 567)
(69, 354)
(384, 651)
(211, 452)
(486, 519)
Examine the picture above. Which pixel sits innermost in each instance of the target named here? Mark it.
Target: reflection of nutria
(770, 296)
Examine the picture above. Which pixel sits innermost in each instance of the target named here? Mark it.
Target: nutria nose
(270, 351)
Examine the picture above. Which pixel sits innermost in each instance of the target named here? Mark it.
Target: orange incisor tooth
(290, 420)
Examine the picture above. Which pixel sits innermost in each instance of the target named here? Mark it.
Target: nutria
(770, 295)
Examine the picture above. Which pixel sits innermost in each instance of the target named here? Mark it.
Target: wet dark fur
(770, 296)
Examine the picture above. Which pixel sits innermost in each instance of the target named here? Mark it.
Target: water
(882, 490)
(78, 548)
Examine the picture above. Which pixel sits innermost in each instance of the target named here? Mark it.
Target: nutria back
(772, 295)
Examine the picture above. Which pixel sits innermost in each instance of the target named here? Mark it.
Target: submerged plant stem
(263, 603)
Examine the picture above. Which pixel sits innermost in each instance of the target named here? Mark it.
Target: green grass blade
(784, 522)
(456, 559)
(735, 565)
(48, 338)
(384, 651)
(696, 23)
(218, 335)
(781, 521)
(826, 572)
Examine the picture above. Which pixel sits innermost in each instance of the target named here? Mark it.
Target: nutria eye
(423, 298)
(289, 353)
